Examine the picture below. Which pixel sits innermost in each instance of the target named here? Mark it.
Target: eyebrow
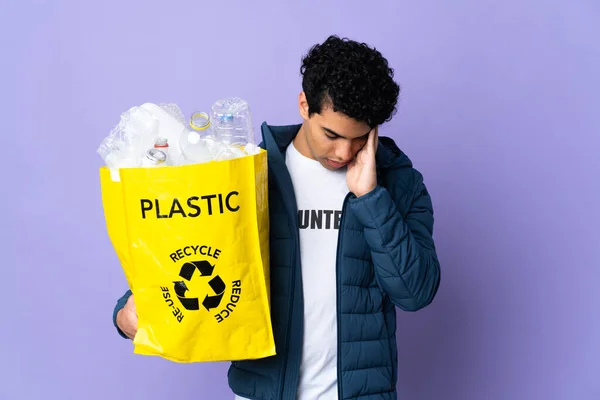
(340, 136)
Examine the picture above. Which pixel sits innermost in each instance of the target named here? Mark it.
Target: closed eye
(331, 134)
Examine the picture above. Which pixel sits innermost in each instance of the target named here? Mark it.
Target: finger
(370, 141)
(131, 303)
(132, 331)
(374, 138)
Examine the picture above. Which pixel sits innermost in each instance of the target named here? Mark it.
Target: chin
(329, 167)
(326, 165)
(332, 165)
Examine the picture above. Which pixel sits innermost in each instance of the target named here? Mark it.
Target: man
(351, 237)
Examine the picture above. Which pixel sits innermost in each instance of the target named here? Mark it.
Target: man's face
(331, 138)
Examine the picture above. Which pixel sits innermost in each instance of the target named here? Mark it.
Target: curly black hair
(352, 77)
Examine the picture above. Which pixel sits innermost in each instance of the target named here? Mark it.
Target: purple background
(499, 111)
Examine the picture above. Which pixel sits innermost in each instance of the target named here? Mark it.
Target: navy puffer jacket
(386, 259)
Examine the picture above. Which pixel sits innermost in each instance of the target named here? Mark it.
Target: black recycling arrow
(187, 303)
(218, 286)
(206, 269)
(187, 269)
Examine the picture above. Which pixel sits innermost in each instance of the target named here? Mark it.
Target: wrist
(365, 191)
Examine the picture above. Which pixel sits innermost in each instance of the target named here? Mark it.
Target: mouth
(335, 164)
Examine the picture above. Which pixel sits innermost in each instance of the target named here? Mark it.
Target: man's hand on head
(361, 176)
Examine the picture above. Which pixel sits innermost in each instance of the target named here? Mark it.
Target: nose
(344, 150)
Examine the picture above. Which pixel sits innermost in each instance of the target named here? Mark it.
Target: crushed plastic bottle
(126, 144)
(232, 122)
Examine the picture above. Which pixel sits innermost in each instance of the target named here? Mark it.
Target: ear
(303, 106)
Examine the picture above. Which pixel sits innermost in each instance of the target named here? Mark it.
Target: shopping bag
(193, 242)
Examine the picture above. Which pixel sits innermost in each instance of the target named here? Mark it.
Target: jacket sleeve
(402, 248)
(120, 304)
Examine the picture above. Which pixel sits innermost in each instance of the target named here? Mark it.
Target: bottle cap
(200, 121)
(161, 142)
(156, 156)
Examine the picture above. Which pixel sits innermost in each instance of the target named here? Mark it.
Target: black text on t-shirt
(319, 219)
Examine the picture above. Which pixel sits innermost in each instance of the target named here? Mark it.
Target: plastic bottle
(162, 144)
(169, 127)
(196, 144)
(232, 122)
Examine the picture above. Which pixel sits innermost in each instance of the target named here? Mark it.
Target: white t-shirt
(319, 195)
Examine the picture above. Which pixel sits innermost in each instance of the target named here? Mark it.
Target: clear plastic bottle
(162, 144)
(196, 144)
(232, 122)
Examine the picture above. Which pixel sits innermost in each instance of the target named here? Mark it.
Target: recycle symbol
(216, 283)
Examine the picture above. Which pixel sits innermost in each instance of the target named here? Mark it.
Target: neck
(301, 144)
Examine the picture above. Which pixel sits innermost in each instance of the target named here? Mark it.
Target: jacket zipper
(289, 325)
(291, 305)
(338, 295)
